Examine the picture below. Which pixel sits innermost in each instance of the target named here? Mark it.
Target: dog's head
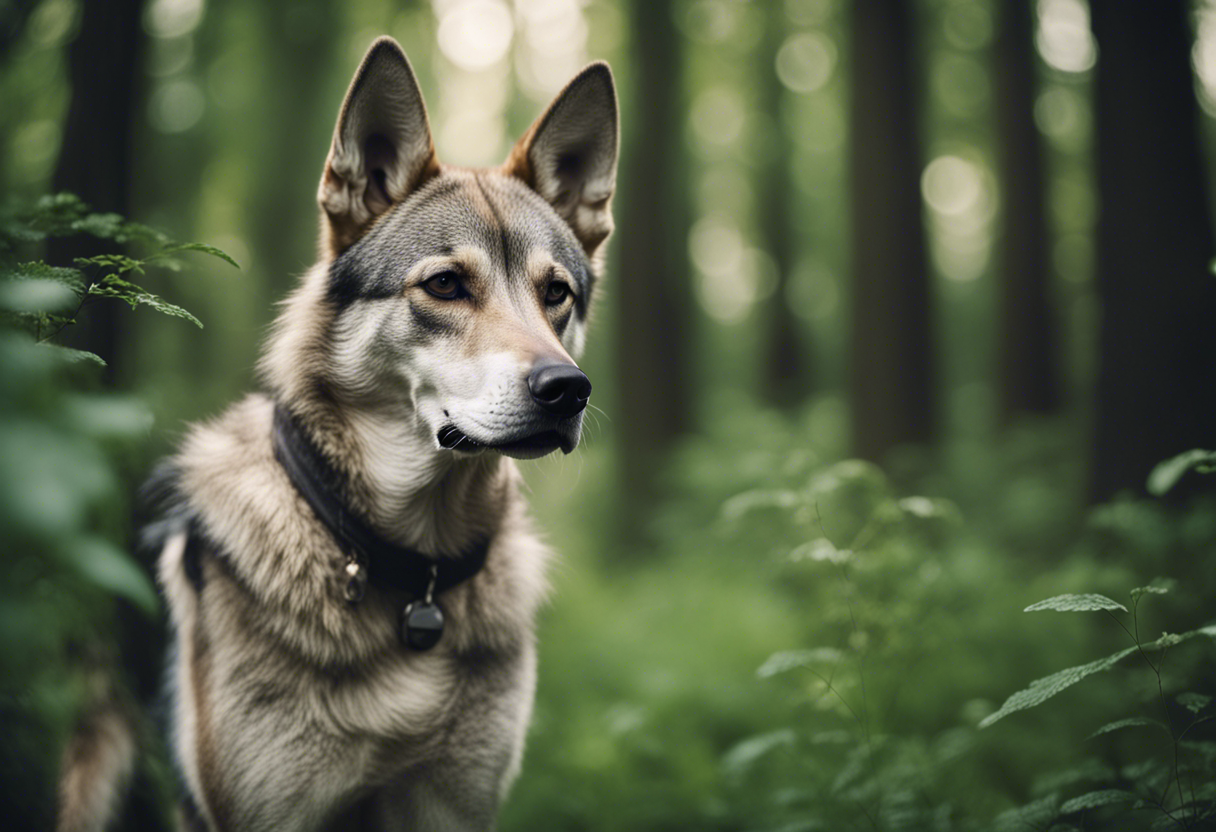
(464, 293)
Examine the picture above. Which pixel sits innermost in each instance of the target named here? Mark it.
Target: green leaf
(105, 226)
(1193, 702)
(1148, 590)
(203, 247)
(75, 356)
(1166, 475)
(1125, 723)
(745, 754)
(1092, 800)
(1076, 603)
(788, 660)
(115, 287)
(1043, 689)
(143, 233)
(120, 263)
(107, 566)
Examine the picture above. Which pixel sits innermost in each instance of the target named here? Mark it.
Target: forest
(894, 509)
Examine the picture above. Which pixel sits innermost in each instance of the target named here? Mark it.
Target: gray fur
(294, 710)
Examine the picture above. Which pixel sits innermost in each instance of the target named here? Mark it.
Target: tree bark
(1156, 391)
(892, 377)
(1027, 348)
(652, 275)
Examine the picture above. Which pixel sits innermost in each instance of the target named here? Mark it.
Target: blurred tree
(95, 156)
(787, 361)
(1027, 350)
(300, 52)
(1156, 395)
(891, 350)
(653, 306)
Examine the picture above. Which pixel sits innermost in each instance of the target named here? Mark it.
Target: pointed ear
(382, 148)
(569, 155)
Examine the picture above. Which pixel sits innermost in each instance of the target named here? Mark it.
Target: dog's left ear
(568, 155)
(382, 148)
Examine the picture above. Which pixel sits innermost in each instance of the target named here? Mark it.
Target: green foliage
(44, 299)
(1076, 603)
(1155, 783)
(63, 499)
(1125, 723)
(881, 626)
(1166, 475)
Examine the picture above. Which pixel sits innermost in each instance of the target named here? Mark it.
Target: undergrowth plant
(64, 511)
(905, 605)
(1172, 789)
(1177, 787)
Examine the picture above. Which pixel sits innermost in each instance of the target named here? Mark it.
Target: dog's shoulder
(232, 515)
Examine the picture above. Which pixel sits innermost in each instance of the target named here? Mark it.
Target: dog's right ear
(382, 148)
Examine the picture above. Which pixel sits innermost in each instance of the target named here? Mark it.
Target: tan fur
(294, 709)
(97, 763)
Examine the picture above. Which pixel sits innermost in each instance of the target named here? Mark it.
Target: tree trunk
(787, 356)
(1027, 349)
(892, 362)
(289, 168)
(94, 156)
(651, 288)
(1156, 390)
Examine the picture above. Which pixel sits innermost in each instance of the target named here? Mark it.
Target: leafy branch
(45, 299)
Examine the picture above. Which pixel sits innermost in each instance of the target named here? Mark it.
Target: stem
(835, 692)
(70, 320)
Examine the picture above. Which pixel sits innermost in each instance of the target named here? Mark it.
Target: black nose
(561, 389)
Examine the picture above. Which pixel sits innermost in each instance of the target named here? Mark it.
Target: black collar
(388, 565)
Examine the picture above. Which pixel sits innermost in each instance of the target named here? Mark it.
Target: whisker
(599, 410)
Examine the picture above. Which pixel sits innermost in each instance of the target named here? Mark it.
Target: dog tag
(421, 625)
(356, 582)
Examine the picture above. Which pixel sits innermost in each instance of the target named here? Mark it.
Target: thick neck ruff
(371, 558)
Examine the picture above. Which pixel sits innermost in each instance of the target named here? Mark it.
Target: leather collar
(388, 565)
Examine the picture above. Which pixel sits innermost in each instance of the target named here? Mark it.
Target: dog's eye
(445, 285)
(557, 293)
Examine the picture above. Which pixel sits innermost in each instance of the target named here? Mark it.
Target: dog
(350, 571)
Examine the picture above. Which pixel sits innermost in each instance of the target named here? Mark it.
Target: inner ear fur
(569, 155)
(382, 147)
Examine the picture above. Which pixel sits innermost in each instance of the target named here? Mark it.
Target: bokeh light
(474, 34)
(1064, 38)
(805, 61)
(176, 106)
(960, 194)
(172, 18)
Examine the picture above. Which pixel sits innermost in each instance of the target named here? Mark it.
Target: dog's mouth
(532, 446)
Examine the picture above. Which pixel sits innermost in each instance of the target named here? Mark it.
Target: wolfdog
(350, 571)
